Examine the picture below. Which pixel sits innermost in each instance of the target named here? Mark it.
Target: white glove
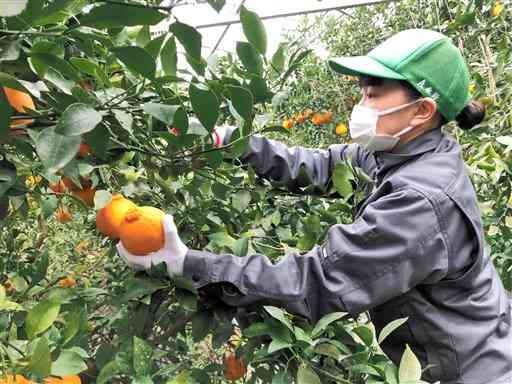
(219, 133)
(172, 254)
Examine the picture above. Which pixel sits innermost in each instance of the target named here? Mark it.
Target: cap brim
(362, 66)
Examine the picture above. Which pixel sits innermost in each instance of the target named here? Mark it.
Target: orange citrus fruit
(341, 129)
(19, 101)
(9, 286)
(141, 231)
(64, 380)
(86, 195)
(62, 214)
(234, 368)
(327, 117)
(85, 149)
(288, 123)
(300, 118)
(497, 9)
(317, 119)
(57, 187)
(18, 379)
(110, 217)
(67, 282)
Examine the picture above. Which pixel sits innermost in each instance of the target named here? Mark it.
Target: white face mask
(363, 127)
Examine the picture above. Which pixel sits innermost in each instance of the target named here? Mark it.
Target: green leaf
(328, 349)
(108, 371)
(410, 367)
(278, 58)
(256, 329)
(154, 47)
(365, 334)
(221, 239)
(69, 362)
(201, 325)
(391, 374)
(137, 59)
(58, 64)
(311, 230)
(249, 57)
(205, 104)
(189, 37)
(217, 4)
(259, 89)
(279, 98)
(139, 287)
(7, 305)
(78, 119)
(243, 101)
(143, 37)
(73, 323)
(341, 178)
(86, 66)
(365, 369)
(221, 334)
(56, 150)
(301, 335)
(41, 266)
(198, 65)
(279, 314)
(41, 317)
(10, 81)
(117, 15)
(281, 378)
(254, 29)
(505, 140)
(241, 246)
(278, 344)
(306, 375)
(40, 361)
(163, 112)
(124, 119)
(142, 356)
(389, 328)
(7, 176)
(5, 117)
(58, 11)
(169, 57)
(240, 200)
(102, 199)
(324, 322)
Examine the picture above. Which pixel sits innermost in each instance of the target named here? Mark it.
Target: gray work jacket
(415, 249)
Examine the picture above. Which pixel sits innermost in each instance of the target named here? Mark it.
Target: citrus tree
(94, 104)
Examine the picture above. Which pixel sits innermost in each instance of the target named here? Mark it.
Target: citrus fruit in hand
(110, 217)
(141, 231)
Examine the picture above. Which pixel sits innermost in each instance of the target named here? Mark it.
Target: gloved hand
(172, 254)
(219, 133)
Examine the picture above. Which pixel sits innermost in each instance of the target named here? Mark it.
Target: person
(416, 248)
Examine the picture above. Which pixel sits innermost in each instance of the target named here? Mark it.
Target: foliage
(69, 305)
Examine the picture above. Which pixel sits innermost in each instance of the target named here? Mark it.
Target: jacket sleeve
(299, 167)
(395, 245)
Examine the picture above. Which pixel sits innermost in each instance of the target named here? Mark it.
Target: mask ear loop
(399, 107)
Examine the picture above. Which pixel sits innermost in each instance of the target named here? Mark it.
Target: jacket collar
(426, 142)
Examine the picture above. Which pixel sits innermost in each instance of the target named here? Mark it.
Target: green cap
(426, 59)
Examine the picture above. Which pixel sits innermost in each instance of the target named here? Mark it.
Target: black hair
(472, 114)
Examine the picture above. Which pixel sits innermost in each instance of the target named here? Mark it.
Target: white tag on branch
(10, 8)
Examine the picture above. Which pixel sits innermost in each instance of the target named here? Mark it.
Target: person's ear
(425, 112)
